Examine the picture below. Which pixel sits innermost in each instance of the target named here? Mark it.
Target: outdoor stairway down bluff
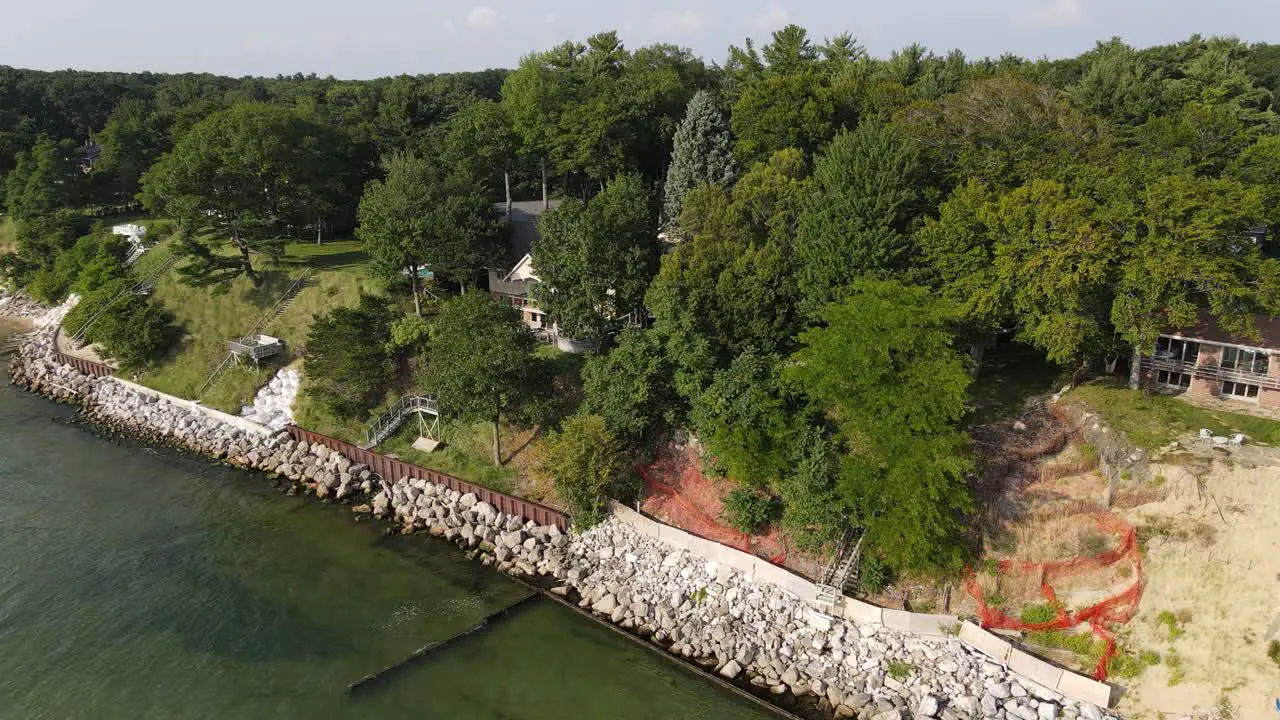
(272, 314)
(392, 419)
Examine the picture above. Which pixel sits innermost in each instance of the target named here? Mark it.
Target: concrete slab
(425, 444)
(860, 612)
(986, 643)
(1034, 668)
(1081, 688)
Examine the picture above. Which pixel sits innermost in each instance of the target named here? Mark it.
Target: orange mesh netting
(680, 495)
(1118, 608)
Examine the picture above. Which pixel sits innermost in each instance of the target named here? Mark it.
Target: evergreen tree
(855, 223)
(702, 155)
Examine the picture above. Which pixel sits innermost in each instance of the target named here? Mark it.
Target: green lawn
(466, 452)
(1152, 421)
(210, 318)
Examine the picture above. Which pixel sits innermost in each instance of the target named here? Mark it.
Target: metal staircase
(392, 419)
(835, 576)
(272, 314)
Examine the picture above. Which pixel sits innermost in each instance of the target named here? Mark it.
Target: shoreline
(756, 636)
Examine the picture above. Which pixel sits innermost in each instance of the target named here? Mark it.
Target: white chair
(1237, 439)
(1205, 436)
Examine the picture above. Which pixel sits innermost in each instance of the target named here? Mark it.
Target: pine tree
(856, 220)
(701, 154)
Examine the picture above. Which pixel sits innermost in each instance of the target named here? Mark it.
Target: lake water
(143, 583)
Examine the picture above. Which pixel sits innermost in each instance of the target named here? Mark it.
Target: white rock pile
(273, 405)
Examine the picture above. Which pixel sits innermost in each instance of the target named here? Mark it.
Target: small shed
(255, 347)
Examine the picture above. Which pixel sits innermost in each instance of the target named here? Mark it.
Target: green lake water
(145, 583)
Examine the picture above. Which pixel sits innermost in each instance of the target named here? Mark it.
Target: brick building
(1207, 362)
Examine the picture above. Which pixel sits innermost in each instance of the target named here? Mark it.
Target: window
(1173, 379)
(1243, 360)
(1239, 390)
(1177, 350)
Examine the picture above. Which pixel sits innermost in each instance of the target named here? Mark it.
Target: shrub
(1171, 623)
(873, 575)
(1273, 651)
(132, 331)
(1039, 614)
(588, 465)
(748, 510)
(899, 670)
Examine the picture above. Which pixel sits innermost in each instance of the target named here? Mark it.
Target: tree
(702, 155)
(588, 464)
(132, 139)
(45, 178)
(596, 259)
(480, 140)
(732, 285)
(1039, 256)
(412, 219)
(857, 219)
(744, 420)
(779, 112)
(630, 386)
(251, 174)
(884, 370)
(348, 365)
(1188, 249)
(479, 361)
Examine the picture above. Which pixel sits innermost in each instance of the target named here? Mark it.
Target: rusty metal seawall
(88, 367)
(392, 469)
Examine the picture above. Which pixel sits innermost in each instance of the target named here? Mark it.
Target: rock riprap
(273, 405)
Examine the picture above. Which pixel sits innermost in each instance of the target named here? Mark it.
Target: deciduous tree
(884, 369)
(479, 365)
(596, 259)
(244, 179)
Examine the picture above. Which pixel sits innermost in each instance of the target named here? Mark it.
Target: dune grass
(1152, 421)
(8, 236)
(210, 317)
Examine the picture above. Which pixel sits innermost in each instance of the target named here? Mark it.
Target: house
(1205, 361)
(514, 280)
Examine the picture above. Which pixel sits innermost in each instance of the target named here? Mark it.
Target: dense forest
(841, 237)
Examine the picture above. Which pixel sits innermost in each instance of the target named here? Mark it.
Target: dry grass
(8, 236)
(210, 318)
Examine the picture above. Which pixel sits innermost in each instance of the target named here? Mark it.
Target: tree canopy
(251, 176)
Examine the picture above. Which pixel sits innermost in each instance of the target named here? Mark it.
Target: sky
(372, 38)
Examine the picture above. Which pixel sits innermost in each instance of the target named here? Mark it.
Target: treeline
(798, 254)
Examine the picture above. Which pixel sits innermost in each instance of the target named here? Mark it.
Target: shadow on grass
(1011, 374)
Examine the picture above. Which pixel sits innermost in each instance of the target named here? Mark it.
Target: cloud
(482, 17)
(1059, 13)
(772, 18)
(681, 22)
